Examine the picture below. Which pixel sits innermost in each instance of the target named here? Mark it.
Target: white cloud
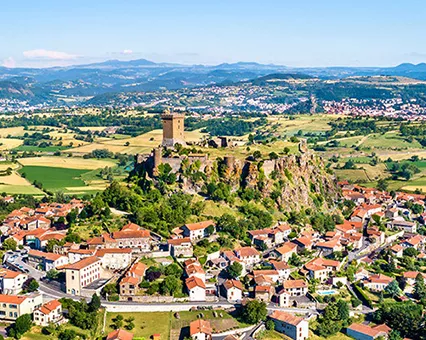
(127, 52)
(46, 54)
(9, 62)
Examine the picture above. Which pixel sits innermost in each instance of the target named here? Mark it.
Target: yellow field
(12, 131)
(9, 143)
(13, 179)
(15, 184)
(140, 144)
(66, 162)
(307, 123)
(5, 165)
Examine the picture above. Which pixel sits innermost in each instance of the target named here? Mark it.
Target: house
(303, 243)
(286, 251)
(283, 298)
(359, 215)
(197, 231)
(194, 268)
(348, 226)
(139, 240)
(248, 255)
(377, 282)
(35, 222)
(200, 330)
(46, 261)
(282, 268)
(11, 282)
(115, 258)
(391, 213)
(40, 241)
(49, 313)
(181, 247)
(407, 226)
(271, 274)
(13, 306)
(196, 288)
(81, 274)
(414, 242)
(129, 284)
(410, 277)
(233, 290)
(365, 332)
(294, 327)
(397, 250)
(296, 287)
(119, 334)
(263, 293)
(321, 269)
(75, 255)
(329, 247)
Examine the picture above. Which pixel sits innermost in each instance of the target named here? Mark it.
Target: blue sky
(293, 33)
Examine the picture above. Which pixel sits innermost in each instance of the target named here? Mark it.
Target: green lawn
(34, 148)
(54, 178)
(146, 324)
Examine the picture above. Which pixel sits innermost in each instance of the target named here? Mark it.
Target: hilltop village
(367, 261)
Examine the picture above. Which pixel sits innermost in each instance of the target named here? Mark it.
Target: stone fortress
(173, 133)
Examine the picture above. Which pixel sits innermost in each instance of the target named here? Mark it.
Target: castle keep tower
(173, 129)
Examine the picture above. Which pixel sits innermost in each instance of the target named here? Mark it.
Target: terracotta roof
(9, 274)
(82, 263)
(50, 306)
(412, 274)
(51, 236)
(130, 279)
(286, 317)
(397, 248)
(200, 326)
(143, 233)
(286, 248)
(370, 331)
(228, 284)
(131, 226)
(247, 251)
(380, 278)
(199, 225)
(266, 272)
(289, 284)
(179, 241)
(280, 265)
(15, 299)
(321, 264)
(47, 256)
(119, 334)
(194, 281)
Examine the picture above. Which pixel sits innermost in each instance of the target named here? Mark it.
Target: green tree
(171, 285)
(10, 244)
(173, 270)
(22, 324)
(235, 269)
(270, 325)
(33, 285)
(95, 303)
(419, 287)
(118, 321)
(382, 185)
(254, 311)
(393, 289)
(67, 334)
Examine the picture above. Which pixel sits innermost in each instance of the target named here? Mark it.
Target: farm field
(53, 178)
(140, 144)
(66, 162)
(15, 184)
(166, 324)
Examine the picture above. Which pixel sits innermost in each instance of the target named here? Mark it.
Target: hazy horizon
(303, 34)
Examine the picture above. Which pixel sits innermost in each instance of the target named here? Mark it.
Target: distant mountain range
(114, 76)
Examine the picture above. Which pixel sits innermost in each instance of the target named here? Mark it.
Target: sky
(298, 33)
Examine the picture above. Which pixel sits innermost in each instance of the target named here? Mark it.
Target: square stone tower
(173, 129)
